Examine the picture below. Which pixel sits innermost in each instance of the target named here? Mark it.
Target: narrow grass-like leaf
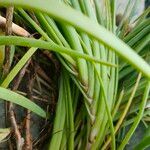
(13, 97)
(2, 54)
(30, 42)
(61, 12)
(145, 143)
(138, 118)
(18, 67)
(119, 123)
(59, 121)
(108, 112)
(4, 133)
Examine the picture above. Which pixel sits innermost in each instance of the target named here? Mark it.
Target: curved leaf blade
(30, 42)
(4, 133)
(145, 143)
(66, 14)
(13, 97)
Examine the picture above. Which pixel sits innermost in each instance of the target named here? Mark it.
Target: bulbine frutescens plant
(84, 39)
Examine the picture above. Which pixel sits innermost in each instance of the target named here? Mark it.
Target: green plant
(86, 43)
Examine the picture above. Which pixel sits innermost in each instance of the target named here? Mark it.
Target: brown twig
(16, 83)
(28, 138)
(19, 139)
(41, 72)
(51, 57)
(43, 135)
(21, 75)
(9, 28)
(8, 31)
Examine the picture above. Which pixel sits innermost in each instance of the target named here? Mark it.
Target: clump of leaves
(104, 69)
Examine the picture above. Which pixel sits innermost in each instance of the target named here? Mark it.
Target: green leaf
(18, 67)
(143, 144)
(59, 121)
(30, 42)
(4, 133)
(13, 97)
(2, 54)
(138, 117)
(66, 14)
